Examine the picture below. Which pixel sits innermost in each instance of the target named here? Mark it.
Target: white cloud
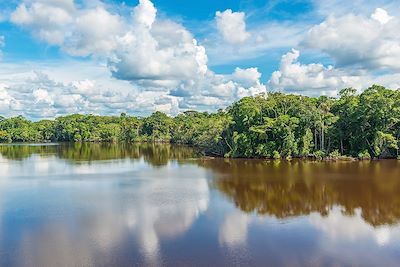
(381, 16)
(366, 42)
(232, 26)
(161, 66)
(145, 13)
(163, 62)
(6, 101)
(95, 32)
(42, 96)
(84, 87)
(76, 87)
(247, 77)
(78, 31)
(48, 20)
(263, 41)
(161, 53)
(215, 91)
(312, 79)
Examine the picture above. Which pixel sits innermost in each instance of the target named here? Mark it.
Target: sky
(106, 57)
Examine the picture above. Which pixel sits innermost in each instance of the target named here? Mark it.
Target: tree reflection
(154, 154)
(279, 188)
(285, 189)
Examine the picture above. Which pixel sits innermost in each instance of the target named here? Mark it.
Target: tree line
(274, 125)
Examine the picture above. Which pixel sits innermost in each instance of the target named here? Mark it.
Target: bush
(335, 154)
(319, 155)
(364, 155)
(276, 155)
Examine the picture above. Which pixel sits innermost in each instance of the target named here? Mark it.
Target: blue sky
(111, 56)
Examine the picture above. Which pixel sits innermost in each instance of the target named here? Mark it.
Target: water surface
(151, 205)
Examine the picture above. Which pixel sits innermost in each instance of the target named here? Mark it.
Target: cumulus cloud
(95, 33)
(80, 32)
(232, 26)
(36, 95)
(263, 44)
(247, 77)
(78, 88)
(42, 96)
(313, 79)
(145, 13)
(353, 40)
(7, 102)
(164, 53)
(215, 91)
(48, 20)
(381, 16)
(163, 62)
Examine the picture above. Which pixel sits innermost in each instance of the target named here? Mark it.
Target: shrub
(335, 154)
(319, 155)
(364, 155)
(276, 155)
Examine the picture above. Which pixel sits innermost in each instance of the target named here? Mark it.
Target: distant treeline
(275, 125)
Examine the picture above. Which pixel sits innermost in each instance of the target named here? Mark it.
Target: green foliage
(306, 143)
(5, 137)
(364, 155)
(157, 127)
(19, 129)
(109, 132)
(265, 126)
(335, 154)
(383, 143)
(319, 154)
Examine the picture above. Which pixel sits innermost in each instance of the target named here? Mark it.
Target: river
(164, 205)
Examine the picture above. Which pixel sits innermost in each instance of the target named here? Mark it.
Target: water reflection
(84, 206)
(152, 205)
(287, 189)
(154, 154)
(338, 226)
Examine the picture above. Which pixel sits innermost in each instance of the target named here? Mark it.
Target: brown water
(162, 205)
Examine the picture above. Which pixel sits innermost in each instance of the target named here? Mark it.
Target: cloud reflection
(343, 227)
(85, 221)
(233, 230)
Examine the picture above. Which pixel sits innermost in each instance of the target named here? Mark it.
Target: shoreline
(208, 156)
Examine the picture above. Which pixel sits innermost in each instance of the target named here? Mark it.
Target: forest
(274, 125)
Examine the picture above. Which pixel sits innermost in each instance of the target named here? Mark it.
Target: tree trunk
(341, 145)
(315, 139)
(322, 137)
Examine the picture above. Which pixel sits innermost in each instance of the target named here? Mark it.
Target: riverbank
(319, 156)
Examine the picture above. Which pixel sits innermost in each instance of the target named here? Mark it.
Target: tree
(5, 137)
(383, 143)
